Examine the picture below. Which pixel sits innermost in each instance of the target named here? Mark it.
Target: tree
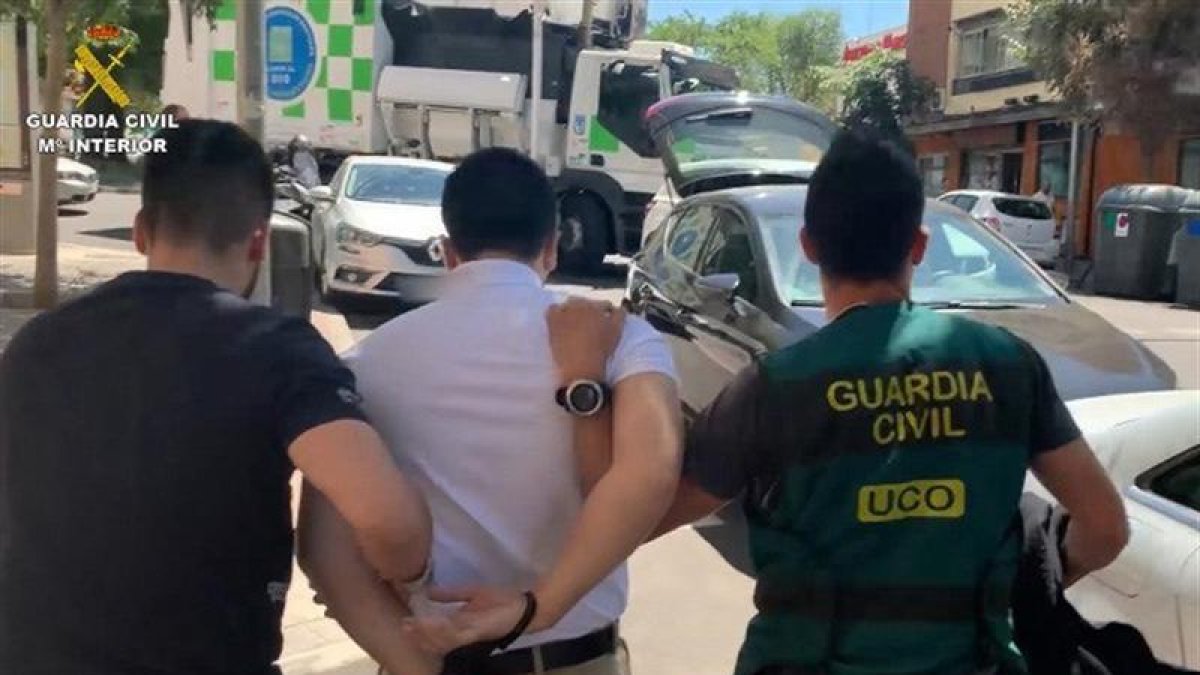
(882, 92)
(794, 54)
(684, 29)
(61, 25)
(1117, 61)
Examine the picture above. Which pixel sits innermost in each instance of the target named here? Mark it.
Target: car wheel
(583, 233)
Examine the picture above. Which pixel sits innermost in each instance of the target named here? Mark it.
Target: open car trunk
(718, 140)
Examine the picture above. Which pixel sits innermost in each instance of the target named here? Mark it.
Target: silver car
(377, 228)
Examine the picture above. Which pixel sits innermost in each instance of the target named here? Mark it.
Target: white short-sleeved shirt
(462, 390)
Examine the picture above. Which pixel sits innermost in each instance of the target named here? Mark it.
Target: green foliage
(1117, 60)
(882, 92)
(795, 54)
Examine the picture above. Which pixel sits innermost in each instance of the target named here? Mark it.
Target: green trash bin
(1187, 253)
(1134, 228)
(291, 267)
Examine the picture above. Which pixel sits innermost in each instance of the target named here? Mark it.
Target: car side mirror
(724, 284)
(321, 193)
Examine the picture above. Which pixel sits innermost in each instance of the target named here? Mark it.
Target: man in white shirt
(467, 393)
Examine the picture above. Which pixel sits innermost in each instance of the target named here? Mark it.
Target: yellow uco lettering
(939, 498)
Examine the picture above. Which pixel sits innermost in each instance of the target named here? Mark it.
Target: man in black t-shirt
(148, 432)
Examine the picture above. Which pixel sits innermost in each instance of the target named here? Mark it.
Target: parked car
(1027, 222)
(724, 279)
(1150, 445)
(377, 228)
(77, 182)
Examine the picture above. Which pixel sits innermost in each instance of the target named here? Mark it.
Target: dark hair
(211, 185)
(498, 200)
(175, 110)
(864, 207)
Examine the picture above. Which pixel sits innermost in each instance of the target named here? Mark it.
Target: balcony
(989, 81)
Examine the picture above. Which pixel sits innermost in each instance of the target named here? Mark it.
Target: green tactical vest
(885, 537)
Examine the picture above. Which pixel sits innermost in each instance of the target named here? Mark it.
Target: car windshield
(739, 139)
(396, 184)
(1022, 208)
(964, 263)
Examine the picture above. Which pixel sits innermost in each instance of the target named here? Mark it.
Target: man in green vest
(880, 461)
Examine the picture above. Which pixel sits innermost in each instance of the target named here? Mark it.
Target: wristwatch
(583, 398)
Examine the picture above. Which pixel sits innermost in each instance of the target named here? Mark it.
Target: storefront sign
(896, 40)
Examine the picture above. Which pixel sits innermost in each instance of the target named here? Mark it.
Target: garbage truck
(440, 78)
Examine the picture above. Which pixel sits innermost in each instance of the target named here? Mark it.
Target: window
(1177, 479)
(1023, 208)
(625, 93)
(1189, 163)
(730, 250)
(1053, 167)
(339, 177)
(687, 233)
(964, 262)
(964, 202)
(987, 49)
(396, 184)
(933, 174)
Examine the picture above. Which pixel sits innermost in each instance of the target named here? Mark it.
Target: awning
(989, 118)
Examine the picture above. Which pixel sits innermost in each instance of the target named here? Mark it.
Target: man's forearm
(365, 606)
(691, 503)
(348, 463)
(628, 500)
(593, 448)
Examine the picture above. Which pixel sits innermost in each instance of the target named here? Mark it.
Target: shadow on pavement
(118, 233)
(71, 212)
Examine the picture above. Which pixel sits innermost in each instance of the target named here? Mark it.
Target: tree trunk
(45, 275)
(585, 23)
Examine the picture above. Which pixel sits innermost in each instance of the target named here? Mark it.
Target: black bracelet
(519, 629)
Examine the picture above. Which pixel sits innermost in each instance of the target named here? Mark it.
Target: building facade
(997, 126)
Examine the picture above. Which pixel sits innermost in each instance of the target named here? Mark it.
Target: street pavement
(688, 606)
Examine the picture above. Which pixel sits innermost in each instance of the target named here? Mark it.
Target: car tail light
(992, 222)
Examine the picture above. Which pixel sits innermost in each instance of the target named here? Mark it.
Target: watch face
(585, 397)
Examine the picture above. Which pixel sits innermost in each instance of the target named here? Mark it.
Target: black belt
(562, 654)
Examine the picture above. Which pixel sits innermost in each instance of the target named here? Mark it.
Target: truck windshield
(396, 184)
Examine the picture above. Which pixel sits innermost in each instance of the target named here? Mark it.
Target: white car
(77, 182)
(377, 228)
(1150, 445)
(1025, 221)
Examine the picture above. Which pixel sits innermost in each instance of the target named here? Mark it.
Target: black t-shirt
(145, 522)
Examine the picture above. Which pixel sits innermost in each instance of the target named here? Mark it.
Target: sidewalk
(312, 644)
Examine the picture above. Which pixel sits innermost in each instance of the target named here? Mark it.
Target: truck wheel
(583, 233)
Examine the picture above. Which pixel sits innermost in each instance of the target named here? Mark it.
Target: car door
(1153, 583)
(668, 294)
(724, 328)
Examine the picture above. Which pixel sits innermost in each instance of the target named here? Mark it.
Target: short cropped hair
(212, 185)
(499, 200)
(864, 207)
